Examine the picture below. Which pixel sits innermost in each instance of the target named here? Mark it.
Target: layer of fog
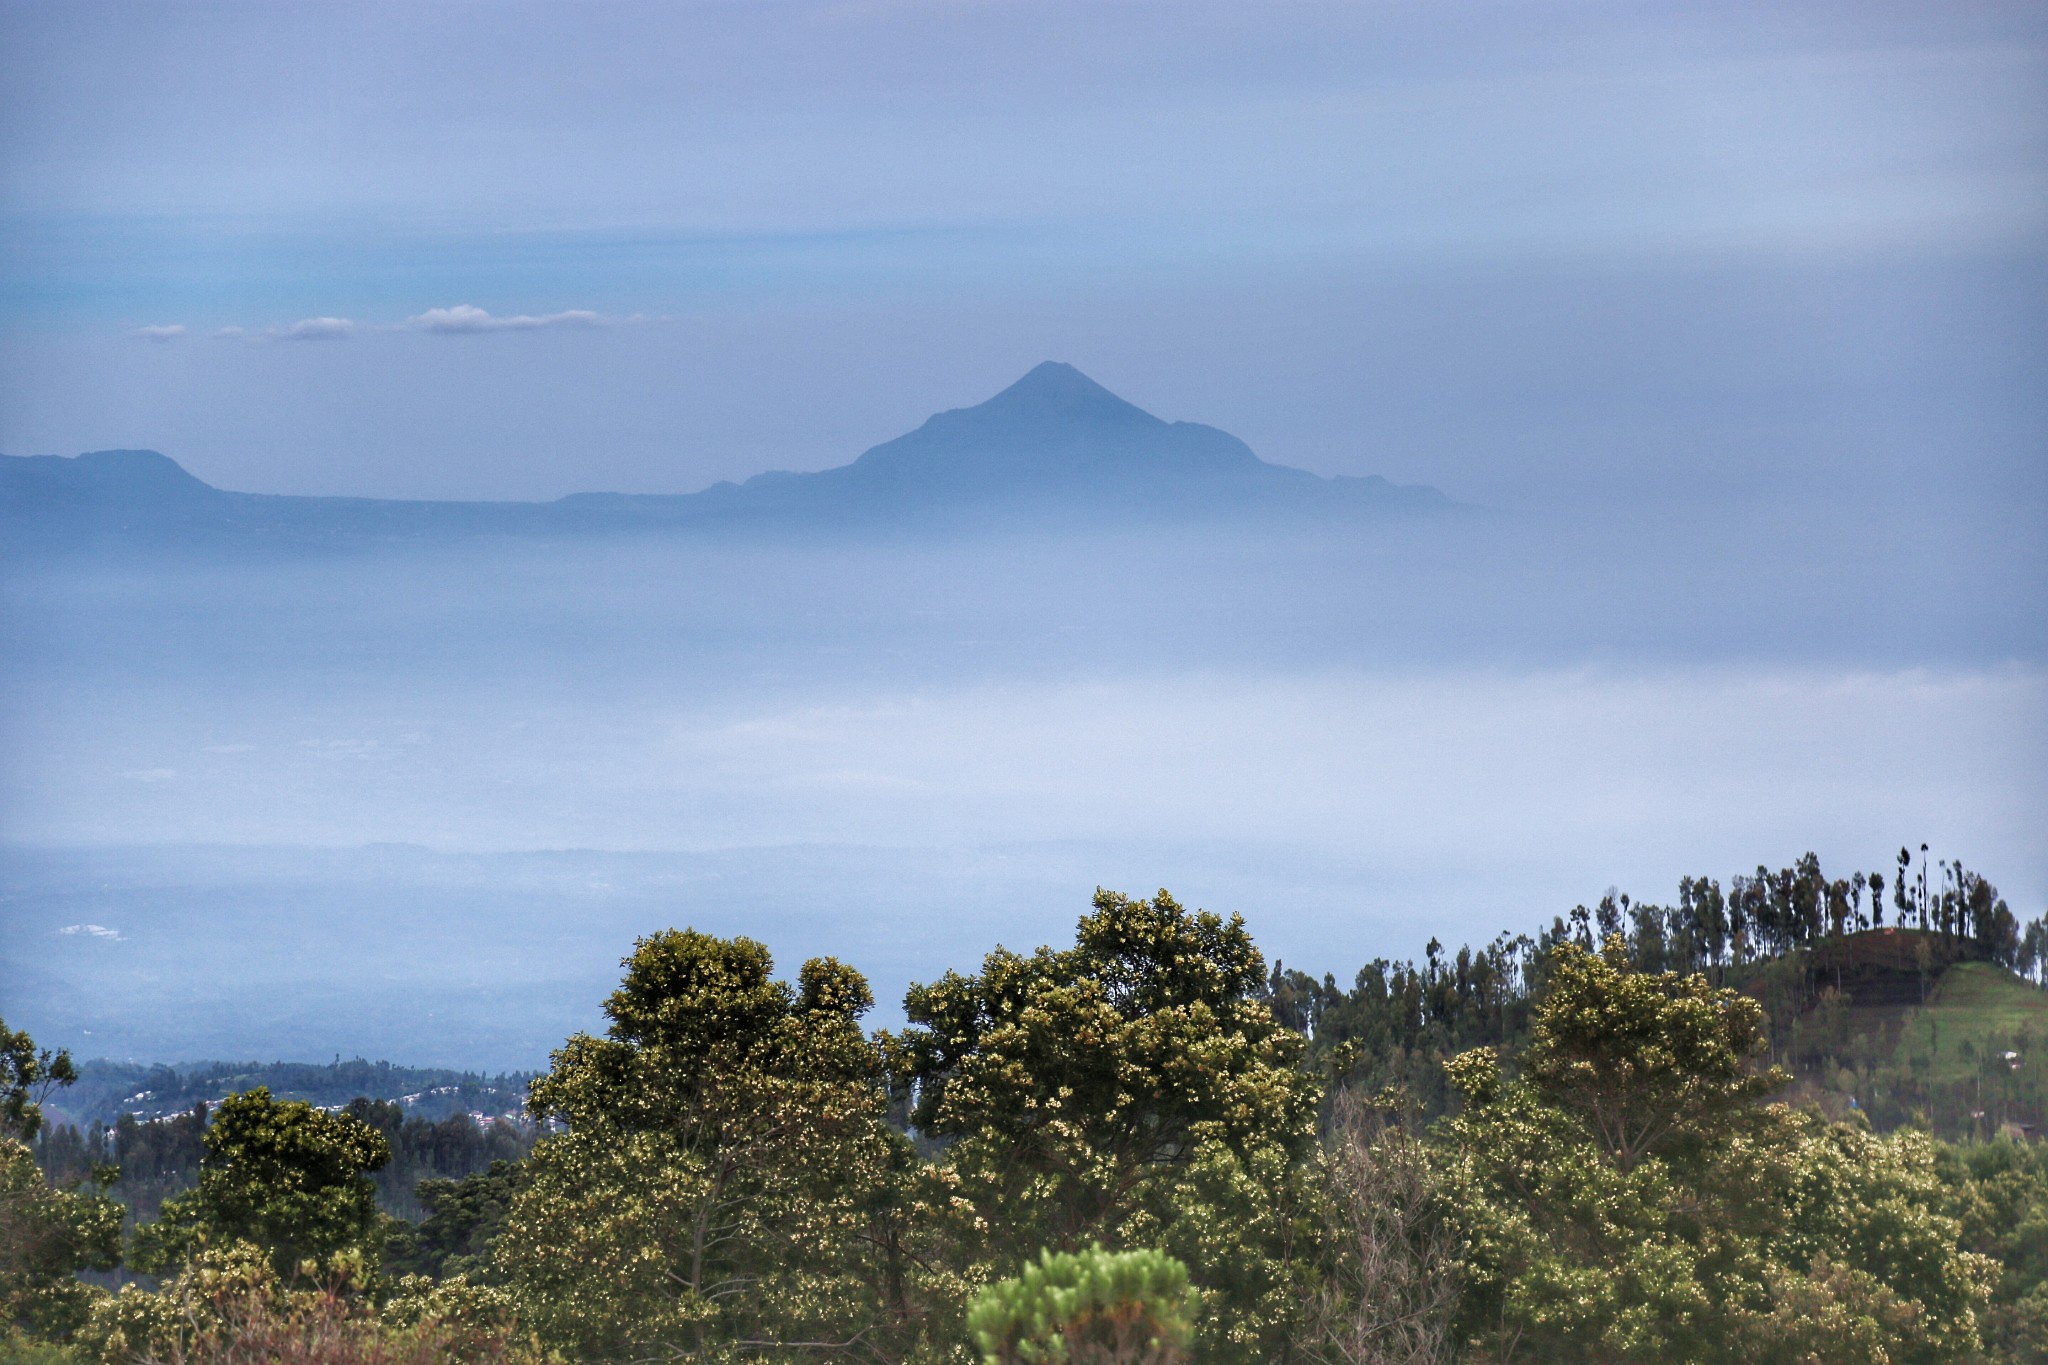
(1346, 814)
(905, 753)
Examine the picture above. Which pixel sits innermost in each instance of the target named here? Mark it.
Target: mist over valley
(436, 766)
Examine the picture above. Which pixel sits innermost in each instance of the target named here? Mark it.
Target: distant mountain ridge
(1055, 448)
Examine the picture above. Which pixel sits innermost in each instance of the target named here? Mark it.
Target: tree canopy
(47, 1234)
(1138, 1146)
(27, 1074)
(724, 1153)
(283, 1176)
(1133, 1090)
(1631, 1197)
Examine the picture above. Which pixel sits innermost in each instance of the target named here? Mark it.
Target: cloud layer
(463, 319)
(315, 329)
(466, 317)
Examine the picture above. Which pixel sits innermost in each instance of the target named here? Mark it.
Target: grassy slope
(1975, 1008)
(1941, 1064)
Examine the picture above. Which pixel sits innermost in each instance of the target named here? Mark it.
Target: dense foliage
(460, 1231)
(1087, 1308)
(228, 1306)
(1760, 1124)
(160, 1158)
(725, 1156)
(27, 1076)
(1839, 986)
(285, 1177)
(1132, 1090)
(1627, 1197)
(48, 1232)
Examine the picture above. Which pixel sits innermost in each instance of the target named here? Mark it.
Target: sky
(1527, 252)
(1728, 318)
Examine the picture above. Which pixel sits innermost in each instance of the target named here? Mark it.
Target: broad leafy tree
(27, 1075)
(2000, 1191)
(715, 1191)
(1631, 1197)
(47, 1234)
(1134, 1090)
(282, 1175)
(464, 1218)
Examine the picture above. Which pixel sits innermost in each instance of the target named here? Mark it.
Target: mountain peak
(1053, 433)
(1056, 377)
(1056, 392)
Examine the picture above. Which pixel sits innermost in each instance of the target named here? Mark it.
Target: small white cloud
(91, 931)
(161, 331)
(314, 329)
(227, 333)
(467, 317)
(343, 748)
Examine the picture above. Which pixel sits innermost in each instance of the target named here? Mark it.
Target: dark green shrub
(1095, 1307)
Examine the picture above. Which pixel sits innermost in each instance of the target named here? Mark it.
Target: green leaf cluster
(228, 1305)
(281, 1175)
(463, 1220)
(1133, 1090)
(1092, 1307)
(1999, 1192)
(1628, 1197)
(27, 1074)
(725, 1152)
(47, 1235)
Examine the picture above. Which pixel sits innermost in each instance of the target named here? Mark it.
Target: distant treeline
(1644, 1133)
(1806, 945)
(148, 1122)
(108, 1089)
(1835, 979)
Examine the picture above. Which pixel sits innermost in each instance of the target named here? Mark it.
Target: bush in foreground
(1089, 1308)
(229, 1306)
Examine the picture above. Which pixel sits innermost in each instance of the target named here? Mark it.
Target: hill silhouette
(1053, 449)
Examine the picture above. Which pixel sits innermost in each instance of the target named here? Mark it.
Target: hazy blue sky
(1757, 293)
(1519, 250)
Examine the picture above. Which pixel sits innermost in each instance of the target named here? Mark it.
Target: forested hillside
(1791, 1117)
(1920, 1006)
(148, 1121)
(105, 1090)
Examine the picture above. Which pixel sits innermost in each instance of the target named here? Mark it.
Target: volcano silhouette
(1055, 449)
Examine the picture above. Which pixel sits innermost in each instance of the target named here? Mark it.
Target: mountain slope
(1053, 449)
(1055, 444)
